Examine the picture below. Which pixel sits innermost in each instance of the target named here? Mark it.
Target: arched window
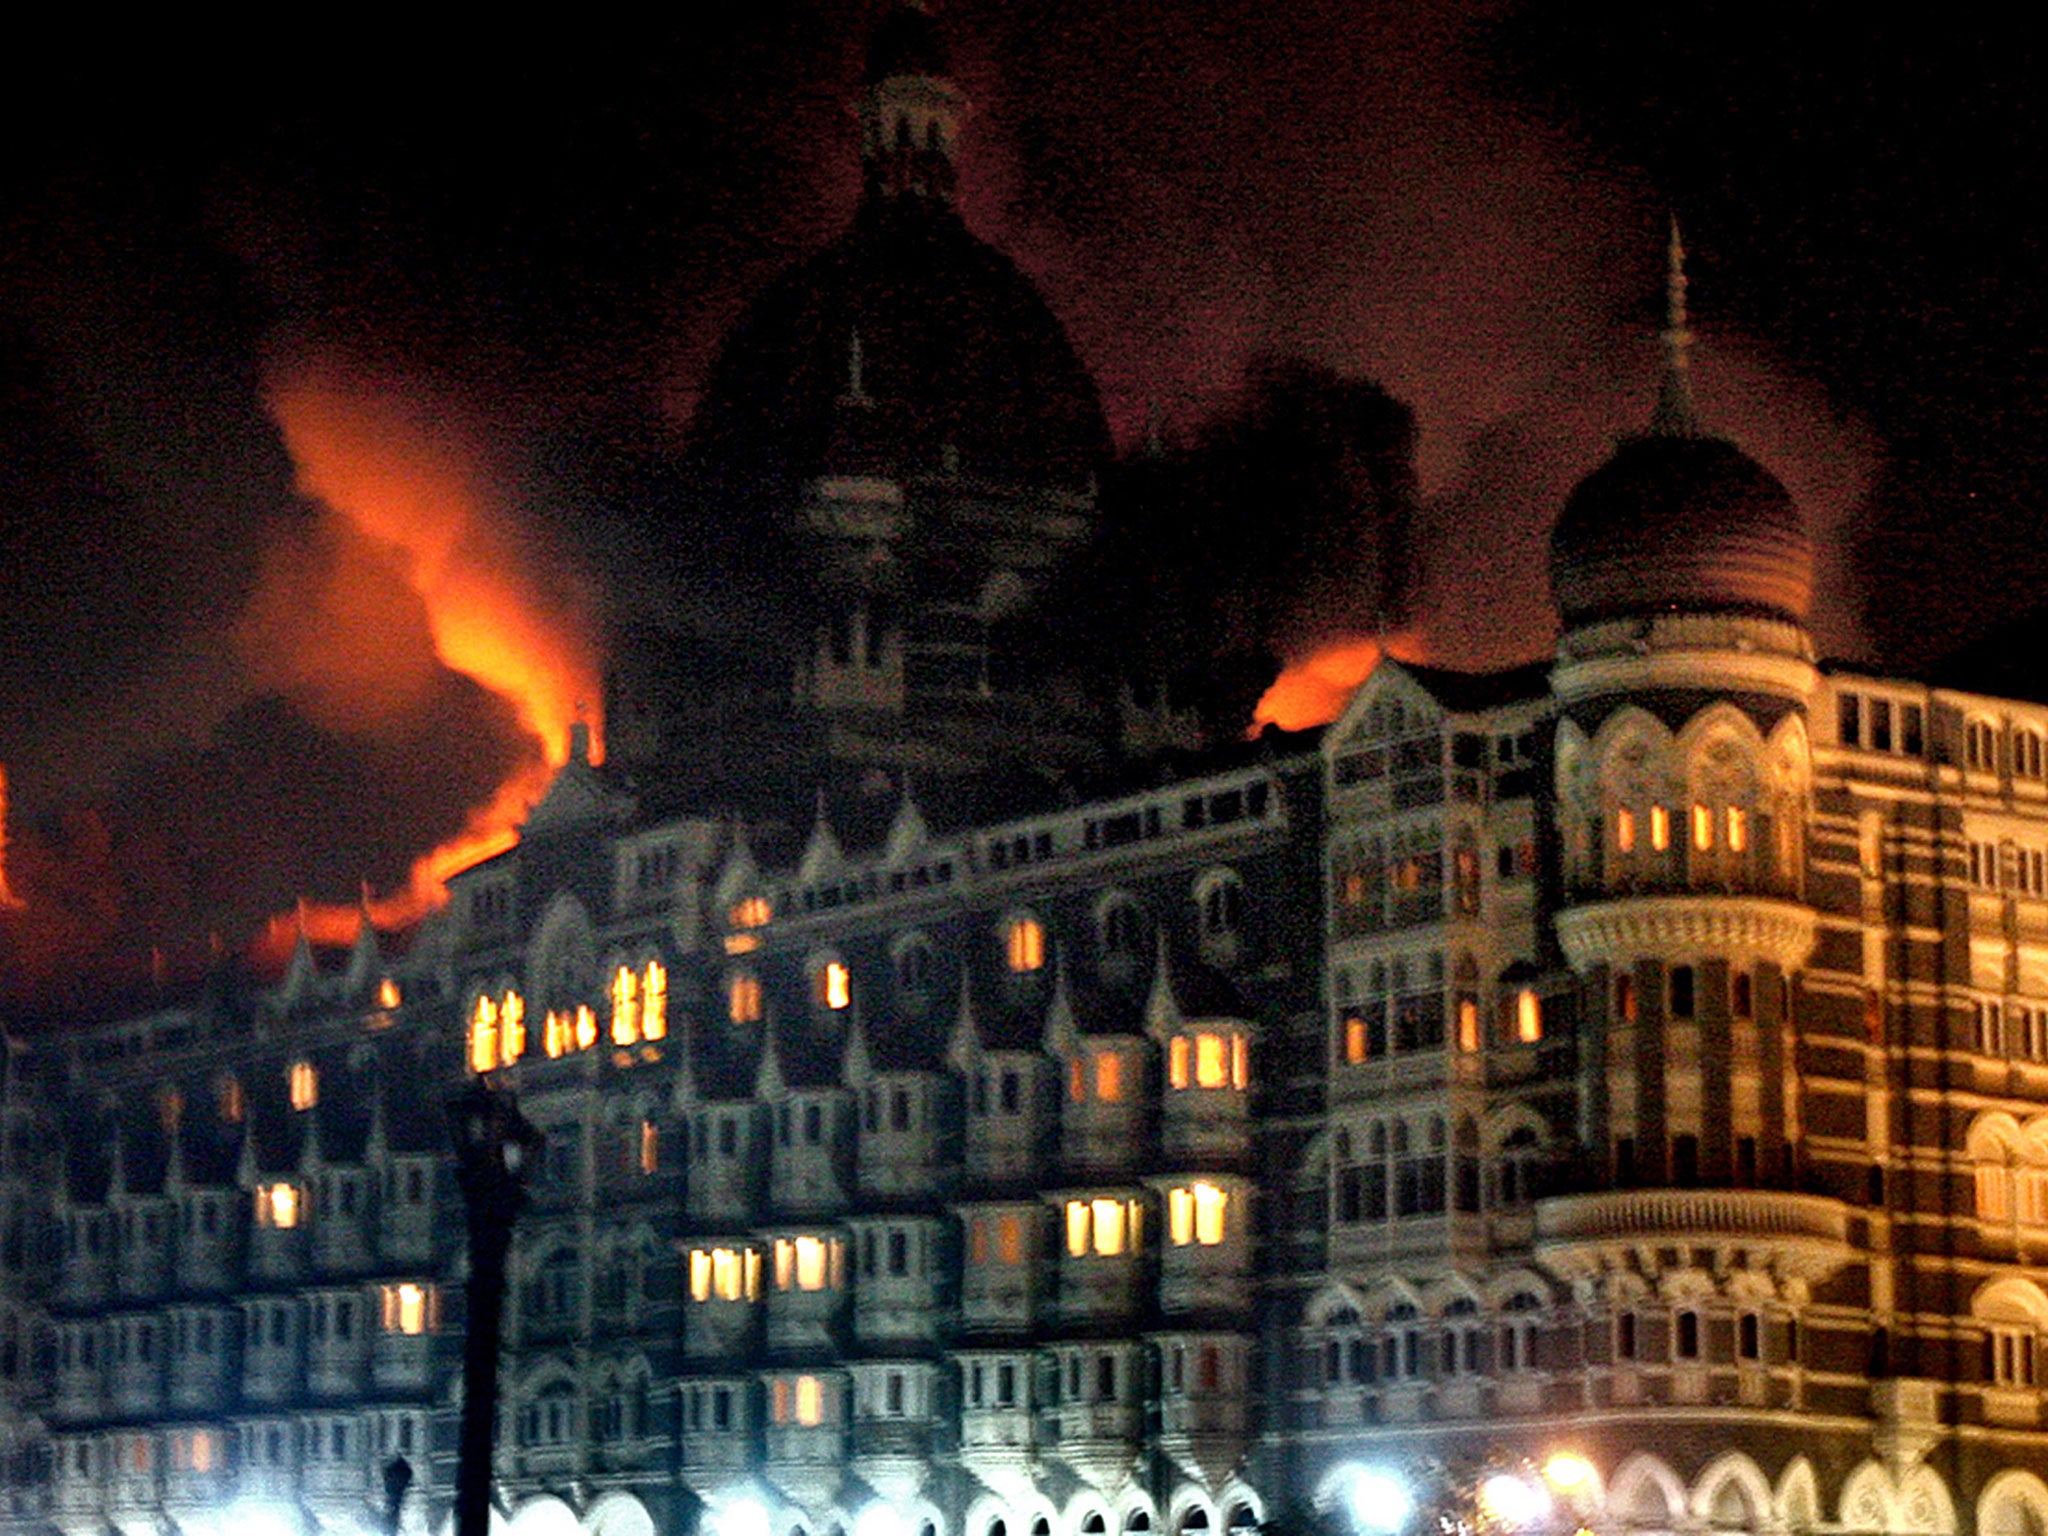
(1980, 746)
(1219, 903)
(831, 984)
(1119, 931)
(914, 965)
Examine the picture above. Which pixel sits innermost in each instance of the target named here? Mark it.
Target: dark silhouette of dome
(905, 348)
(906, 43)
(1680, 522)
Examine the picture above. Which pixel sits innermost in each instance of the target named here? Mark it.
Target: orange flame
(1313, 689)
(405, 479)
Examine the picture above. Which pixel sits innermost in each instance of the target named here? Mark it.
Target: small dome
(1680, 522)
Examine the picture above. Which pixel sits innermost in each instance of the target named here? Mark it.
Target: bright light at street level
(251, 1517)
(742, 1517)
(1512, 1501)
(1379, 1501)
(1568, 1470)
(878, 1519)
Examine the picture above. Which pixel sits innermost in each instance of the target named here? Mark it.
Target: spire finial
(1675, 415)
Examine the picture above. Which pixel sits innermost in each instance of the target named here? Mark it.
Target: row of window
(1198, 1214)
(2007, 867)
(2023, 756)
(317, 1438)
(404, 1307)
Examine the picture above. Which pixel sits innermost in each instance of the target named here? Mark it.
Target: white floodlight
(1515, 1502)
(1380, 1503)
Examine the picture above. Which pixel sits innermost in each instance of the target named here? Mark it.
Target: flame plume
(400, 487)
(1312, 689)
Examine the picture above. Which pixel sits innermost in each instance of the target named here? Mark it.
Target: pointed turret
(823, 856)
(1675, 415)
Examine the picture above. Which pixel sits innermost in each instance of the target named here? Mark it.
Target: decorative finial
(1675, 415)
(856, 374)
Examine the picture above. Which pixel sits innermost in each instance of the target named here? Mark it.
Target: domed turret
(1680, 523)
(1677, 521)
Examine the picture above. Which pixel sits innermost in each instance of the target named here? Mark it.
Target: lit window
(1103, 1226)
(1528, 1016)
(1660, 828)
(558, 1036)
(654, 1001)
(743, 998)
(278, 1205)
(232, 1102)
(806, 1263)
(625, 1006)
(1204, 1060)
(1194, 1214)
(1010, 1240)
(1702, 827)
(833, 986)
(1625, 830)
(1354, 1039)
(1468, 1024)
(483, 1036)
(750, 912)
(1240, 1062)
(810, 1400)
(650, 1146)
(388, 995)
(1738, 829)
(410, 1309)
(1109, 1077)
(725, 1274)
(304, 1083)
(511, 1028)
(1024, 945)
(586, 1028)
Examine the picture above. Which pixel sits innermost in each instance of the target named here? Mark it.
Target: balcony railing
(1806, 1235)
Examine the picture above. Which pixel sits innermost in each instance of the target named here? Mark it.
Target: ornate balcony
(1801, 1238)
(1744, 930)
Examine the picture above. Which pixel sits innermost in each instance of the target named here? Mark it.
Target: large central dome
(906, 347)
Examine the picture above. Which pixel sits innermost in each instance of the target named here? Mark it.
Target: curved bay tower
(1624, 1075)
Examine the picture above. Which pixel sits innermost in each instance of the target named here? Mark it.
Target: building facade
(1642, 1055)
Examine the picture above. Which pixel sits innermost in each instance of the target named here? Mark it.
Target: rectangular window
(810, 1400)
(1880, 725)
(1702, 827)
(1625, 830)
(409, 1309)
(1849, 720)
(1660, 828)
(1010, 1239)
(1738, 829)
(1528, 1016)
(1109, 1077)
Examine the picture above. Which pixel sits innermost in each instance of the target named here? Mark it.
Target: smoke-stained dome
(906, 346)
(1674, 521)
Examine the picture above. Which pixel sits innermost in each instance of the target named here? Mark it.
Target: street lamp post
(494, 1146)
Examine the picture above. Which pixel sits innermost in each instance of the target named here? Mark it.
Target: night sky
(511, 251)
